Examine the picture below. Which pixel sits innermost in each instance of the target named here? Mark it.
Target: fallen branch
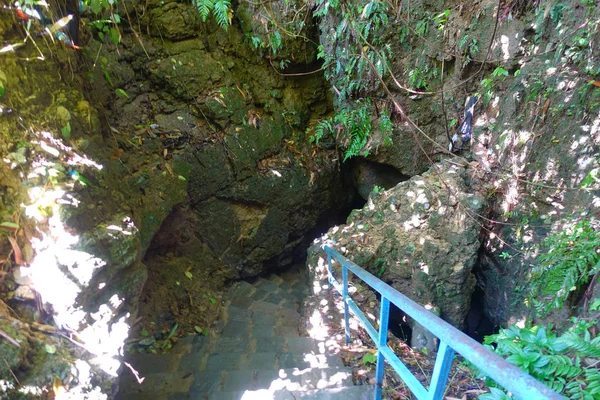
(11, 340)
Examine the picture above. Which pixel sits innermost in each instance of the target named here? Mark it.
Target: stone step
(210, 381)
(364, 392)
(282, 316)
(292, 379)
(190, 351)
(268, 307)
(266, 290)
(343, 393)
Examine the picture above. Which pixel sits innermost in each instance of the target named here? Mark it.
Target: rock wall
(535, 69)
(421, 237)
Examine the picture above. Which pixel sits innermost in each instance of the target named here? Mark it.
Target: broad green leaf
(115, 36)
(50, 348)
(188, 274)
(369, 359)
(66, 130)
(9, 225)
(121, 92)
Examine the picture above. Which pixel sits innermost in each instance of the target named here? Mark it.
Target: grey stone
(237, 329)
(274, 298)
(223, 361)
(267, 286)
(259, 318)
(263, 331)
(264, 307)
(303, 345)
(230, 345)
(276, 344)
(260, 294)
(238, 314)
(286, 331)
(239, 380)
(241, 302)
(207, 381)
(259, 361)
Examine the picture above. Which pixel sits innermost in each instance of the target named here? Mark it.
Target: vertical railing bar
(345, 296)
(382, 342)
(441, 371)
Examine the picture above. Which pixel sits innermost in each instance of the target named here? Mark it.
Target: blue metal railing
(519, 383)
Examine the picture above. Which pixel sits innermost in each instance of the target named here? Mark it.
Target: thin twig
(11, 340)
(11, 371)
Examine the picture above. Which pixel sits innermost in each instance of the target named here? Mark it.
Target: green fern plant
(565, 363)
(570, 262)
(354, 125)
(220, 9)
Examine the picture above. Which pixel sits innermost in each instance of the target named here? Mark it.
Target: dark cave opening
(399, 324)
(477, 324)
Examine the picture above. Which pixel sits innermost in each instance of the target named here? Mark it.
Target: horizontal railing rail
(518, 382)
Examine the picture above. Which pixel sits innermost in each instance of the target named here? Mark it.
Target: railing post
(383, 330)
(329, 268)
(345, 296)
(441, 370)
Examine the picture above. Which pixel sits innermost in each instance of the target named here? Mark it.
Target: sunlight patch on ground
(60, 270)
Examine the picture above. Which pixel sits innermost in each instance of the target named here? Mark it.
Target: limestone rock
(420, 237)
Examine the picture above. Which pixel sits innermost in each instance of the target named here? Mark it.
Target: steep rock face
(420, 237)
(238, 126)
(535, 133)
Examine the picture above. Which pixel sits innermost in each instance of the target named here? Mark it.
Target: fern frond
(204, 8)
(223, 13)
(580, 346)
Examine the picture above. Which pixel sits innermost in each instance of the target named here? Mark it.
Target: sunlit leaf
(121, 92)
(369, 359)
(50, 348)
(66, 130)
(8, 224)
(188, 274)
(147, 342)
(114, 35)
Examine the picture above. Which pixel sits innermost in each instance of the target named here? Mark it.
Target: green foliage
(495, 394)
(571, 260)
(441, 19)
(469, 48)
(220, 9)
(354, 124)
(122, 93)
(556, 12)
(380, 263)
(359, 58)
(560, 362)
(422, 75)
(422, 27)
(499, 72)
(66, 131)
(369, 358)
(386, 126)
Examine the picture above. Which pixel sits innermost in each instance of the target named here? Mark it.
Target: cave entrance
(477, 324)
